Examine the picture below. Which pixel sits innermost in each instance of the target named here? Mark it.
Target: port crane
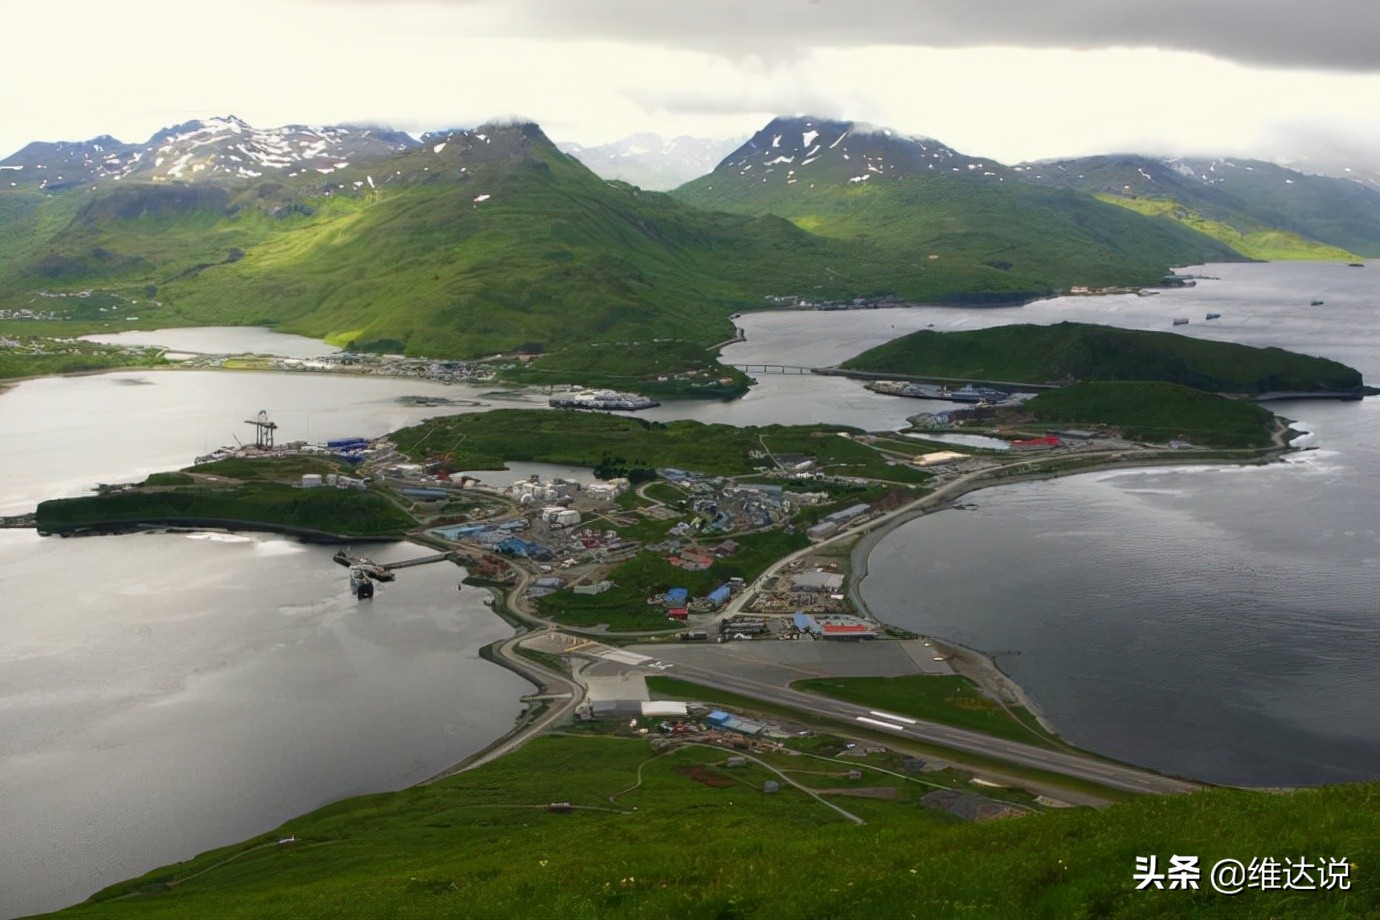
(263, 430)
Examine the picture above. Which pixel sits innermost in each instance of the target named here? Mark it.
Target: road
(552, 685)
(1112, 775)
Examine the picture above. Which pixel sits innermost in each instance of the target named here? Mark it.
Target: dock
(420, 560)
(384, 572)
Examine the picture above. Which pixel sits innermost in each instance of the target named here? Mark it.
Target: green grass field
(951, 700)
(680, 835)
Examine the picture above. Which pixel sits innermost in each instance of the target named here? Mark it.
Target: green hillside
(340, 512)
(1157, 412)
(970, 235)
(1266, 206)
(679, 834)
(487, 243)
(1254, 244)
(969, 224)
(1082, 351)
(484, 247)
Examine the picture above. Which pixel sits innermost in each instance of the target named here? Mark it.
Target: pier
(420, 560)
(385, 571)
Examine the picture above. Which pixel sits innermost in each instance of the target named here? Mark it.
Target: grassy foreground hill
(676, 834)
(1084, 351)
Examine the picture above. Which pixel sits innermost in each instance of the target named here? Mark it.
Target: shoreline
(981, 668)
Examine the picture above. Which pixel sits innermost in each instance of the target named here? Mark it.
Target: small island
(1070, 352)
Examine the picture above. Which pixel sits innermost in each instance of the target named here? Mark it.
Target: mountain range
(962, 219)
(468, 242)
(217, 148)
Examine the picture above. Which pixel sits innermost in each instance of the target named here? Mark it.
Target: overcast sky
(1011, 79)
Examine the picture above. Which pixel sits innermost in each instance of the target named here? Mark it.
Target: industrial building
(612, 695)
(833, 626)
(720, 719)
(817, 581)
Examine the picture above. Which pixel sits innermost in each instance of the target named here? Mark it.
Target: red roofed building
(1045, 443)
(677, 613)
(847, 631)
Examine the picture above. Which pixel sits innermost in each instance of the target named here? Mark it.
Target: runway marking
(623, 657)
(887, 715)
(879, 722)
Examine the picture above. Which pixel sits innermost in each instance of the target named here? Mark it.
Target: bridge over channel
(775, 368)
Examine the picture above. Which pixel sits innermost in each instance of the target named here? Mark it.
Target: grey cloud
(747, 100)
(1321, 34)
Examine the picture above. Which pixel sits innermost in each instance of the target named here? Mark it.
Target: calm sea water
(222, 340)
(1219, 623)
(64, 434)
(164, 694)
(160, 695)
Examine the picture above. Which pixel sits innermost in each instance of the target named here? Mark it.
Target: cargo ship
(1214, 316)
(1181, 321)
(607, 400)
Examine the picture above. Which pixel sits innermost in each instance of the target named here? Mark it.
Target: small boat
(360, 584)
(1315, 303)
(1181, 321)
(1213, 316)
(1355, 265)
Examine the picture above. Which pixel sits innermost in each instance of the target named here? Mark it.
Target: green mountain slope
(1250, 196)
(1082, 351)
(678, 834)
(965, 221)
(483, 241)
(1265, 244)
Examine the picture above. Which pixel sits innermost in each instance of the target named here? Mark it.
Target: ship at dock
(360, 584)
(969, 393)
